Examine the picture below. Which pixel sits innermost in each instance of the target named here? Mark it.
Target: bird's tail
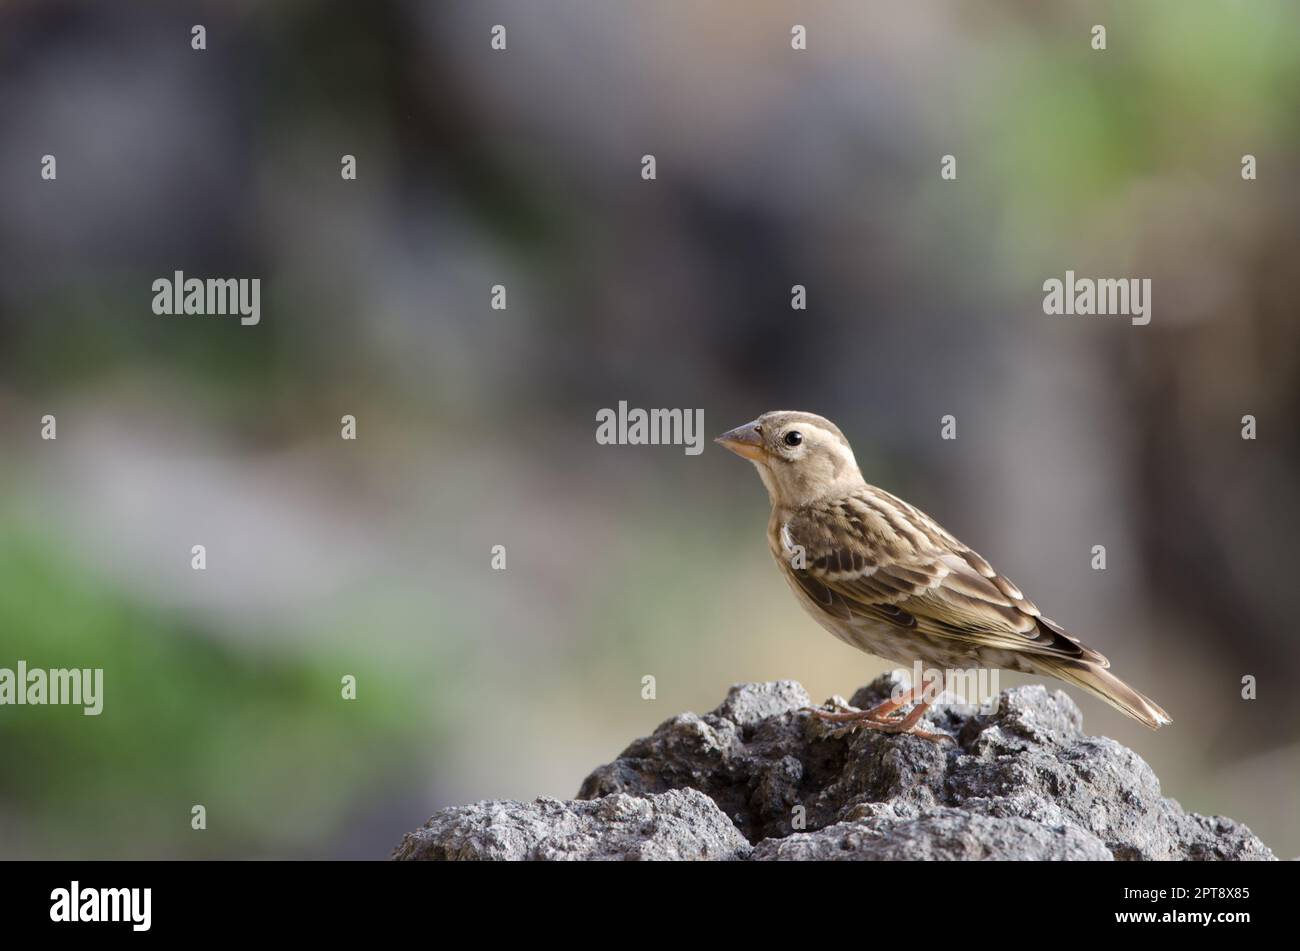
(1098, 680)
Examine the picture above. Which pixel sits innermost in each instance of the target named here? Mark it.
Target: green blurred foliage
(257, 734)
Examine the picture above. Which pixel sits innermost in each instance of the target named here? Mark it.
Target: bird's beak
(743, 441)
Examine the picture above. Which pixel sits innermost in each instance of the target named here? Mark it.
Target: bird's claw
(842, 722)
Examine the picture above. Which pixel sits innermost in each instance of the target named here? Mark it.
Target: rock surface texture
(757, 779)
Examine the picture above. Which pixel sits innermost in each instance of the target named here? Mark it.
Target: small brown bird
(886, 578)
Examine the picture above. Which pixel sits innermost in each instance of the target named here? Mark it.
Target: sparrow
(884, 577)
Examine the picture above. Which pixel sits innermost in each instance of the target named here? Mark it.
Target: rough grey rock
(681, 824)
(1023, 782)
(939, 833)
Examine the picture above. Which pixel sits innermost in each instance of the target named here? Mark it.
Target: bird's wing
(872, 556)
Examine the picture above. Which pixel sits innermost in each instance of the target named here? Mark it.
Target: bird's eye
(793, 437)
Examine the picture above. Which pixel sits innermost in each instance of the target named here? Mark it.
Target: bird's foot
(844, 716)
(844, 713)
(883, 718)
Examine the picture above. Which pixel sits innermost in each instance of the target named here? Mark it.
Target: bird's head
(800, 457)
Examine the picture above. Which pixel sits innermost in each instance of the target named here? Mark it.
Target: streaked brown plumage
(886, 578)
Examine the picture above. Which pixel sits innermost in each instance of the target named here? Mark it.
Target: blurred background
(476, 426)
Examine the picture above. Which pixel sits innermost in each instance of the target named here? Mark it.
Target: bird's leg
(878, 717)
(880, 712)
(884, 711)
(908, 725)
